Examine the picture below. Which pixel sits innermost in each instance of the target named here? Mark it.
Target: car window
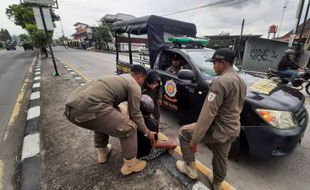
(165, 63)
(200, 59)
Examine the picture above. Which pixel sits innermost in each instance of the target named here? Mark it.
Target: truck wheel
(308, 88)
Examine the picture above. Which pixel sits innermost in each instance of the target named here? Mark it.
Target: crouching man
(94, 107)
(218, 122)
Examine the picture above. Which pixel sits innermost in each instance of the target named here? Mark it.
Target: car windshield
(200, 59)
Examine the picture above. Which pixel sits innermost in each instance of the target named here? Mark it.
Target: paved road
(14, 66)
(285, 173)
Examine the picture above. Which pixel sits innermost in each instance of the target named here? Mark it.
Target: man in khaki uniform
(94, 106)
(176, 65)
(218, 123)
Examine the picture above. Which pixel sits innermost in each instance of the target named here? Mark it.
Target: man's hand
(159, 103)
(151, 137)
(301, 69)
(194, 147)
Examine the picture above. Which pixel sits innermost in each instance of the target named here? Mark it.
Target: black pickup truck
(274, 117)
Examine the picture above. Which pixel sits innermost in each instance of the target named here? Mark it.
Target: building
(305, 34)
(228, 41)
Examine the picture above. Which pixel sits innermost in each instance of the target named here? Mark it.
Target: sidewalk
(69, 158)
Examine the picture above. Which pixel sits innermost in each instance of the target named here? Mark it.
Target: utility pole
(280, 25)
(239, 44)
(298, 14)
(304, 24)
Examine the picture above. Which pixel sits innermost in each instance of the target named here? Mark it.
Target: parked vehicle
(274, 117)
(10, 46)
(27, 46)
(298, 83)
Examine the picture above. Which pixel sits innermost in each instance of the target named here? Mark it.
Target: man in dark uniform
(288, 67)
(218, 122)
(94, 106)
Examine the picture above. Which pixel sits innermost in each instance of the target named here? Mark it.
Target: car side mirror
(186, 74)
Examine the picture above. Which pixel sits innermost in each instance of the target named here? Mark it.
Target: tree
(24, 37)
(102, 35)
(5, 35)
(23, 16)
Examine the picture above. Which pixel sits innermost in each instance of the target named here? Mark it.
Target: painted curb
(31, 156)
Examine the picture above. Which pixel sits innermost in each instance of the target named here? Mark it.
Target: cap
(223, 54)
(152, 77)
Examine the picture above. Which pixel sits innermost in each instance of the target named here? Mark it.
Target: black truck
(274, 117)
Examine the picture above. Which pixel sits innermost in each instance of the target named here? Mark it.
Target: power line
(204, 6)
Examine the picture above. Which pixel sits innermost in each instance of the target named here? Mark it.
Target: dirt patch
(69, 159)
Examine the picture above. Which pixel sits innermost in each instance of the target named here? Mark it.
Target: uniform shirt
(222, 107)
(174, 69)
(105, 94)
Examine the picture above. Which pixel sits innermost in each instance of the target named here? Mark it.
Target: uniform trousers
(219, 149)
(111, 123)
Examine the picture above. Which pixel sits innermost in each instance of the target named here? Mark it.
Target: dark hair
(152, 76)
(176, 57)
(138, 70)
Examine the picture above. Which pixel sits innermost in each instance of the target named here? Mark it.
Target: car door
(178, 94)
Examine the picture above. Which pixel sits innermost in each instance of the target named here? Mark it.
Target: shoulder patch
(211, 96)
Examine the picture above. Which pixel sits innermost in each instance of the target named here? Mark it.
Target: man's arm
(209, 110)
(134, 98)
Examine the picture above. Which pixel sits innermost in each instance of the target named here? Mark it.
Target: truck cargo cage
(158, 30)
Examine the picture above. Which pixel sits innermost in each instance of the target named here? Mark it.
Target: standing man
(218, 122)
(94, 106)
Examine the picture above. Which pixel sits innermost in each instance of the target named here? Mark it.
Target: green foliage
(24, 37)
(5, 35)
(102, 34)
(23, 16)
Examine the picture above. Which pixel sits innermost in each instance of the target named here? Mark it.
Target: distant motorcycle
(297, 83)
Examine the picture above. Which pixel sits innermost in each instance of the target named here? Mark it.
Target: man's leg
(292, 73)
(185, 136)
(116, 124)
(101, 140)
(189, 166)
(219, 161)
(103, 149)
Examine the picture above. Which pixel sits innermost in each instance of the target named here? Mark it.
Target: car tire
(239, 147)
(308, 88)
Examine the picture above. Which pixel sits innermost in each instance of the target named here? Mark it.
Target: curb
(31, 157)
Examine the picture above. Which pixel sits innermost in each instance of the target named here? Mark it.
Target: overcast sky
(258, 14)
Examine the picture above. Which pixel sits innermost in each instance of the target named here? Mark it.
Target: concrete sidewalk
(69, 158)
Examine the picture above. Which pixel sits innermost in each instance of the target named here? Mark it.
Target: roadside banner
(47, 18)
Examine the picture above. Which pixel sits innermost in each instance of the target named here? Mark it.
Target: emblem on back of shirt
(211, 96)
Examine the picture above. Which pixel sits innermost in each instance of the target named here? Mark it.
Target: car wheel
(308, 88)
(239, 147)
